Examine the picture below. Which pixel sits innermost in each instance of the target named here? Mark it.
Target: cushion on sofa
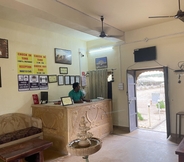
(8, 137)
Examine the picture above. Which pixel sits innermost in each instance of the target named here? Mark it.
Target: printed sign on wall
(31, 64)
(32, 82)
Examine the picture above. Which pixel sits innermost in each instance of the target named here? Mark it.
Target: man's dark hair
(76, 84)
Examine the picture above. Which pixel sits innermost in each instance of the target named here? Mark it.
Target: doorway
(150, 92)
(134, 114)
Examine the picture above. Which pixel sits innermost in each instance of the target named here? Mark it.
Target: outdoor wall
(169, 41)
(22, 38)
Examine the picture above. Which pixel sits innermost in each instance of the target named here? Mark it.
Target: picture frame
(72, 79)
(63, 70)
(60, 80)
(66, 101)
(101, 63)
(4, 48)
(52, 78)
(63, 56)
(77, 78)
(67, 80)
(0, 78)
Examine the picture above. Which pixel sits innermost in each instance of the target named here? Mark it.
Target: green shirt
(76, 96)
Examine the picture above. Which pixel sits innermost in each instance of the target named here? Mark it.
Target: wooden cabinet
(61, 123)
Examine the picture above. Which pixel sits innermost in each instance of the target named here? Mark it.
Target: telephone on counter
(43, 102)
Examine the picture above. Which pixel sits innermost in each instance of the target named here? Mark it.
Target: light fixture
(100, 49)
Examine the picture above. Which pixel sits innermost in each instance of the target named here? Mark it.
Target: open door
(132, 100)
(168, 125)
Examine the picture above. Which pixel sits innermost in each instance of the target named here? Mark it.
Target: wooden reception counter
(61, 123)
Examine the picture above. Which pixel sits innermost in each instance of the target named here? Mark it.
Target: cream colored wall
(169, 40)
(22, 38)
(113, 61)
(167, 37)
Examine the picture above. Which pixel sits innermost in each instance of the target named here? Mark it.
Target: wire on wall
(181, 65)
(85, 14)
(156, 62)
(153, 38)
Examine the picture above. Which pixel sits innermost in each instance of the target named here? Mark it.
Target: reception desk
(61, 123)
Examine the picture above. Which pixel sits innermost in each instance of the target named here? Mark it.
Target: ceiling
(81, 18)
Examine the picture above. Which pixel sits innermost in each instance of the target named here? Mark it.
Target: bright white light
(100, 49)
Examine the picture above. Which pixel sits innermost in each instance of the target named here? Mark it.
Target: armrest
(36, 122)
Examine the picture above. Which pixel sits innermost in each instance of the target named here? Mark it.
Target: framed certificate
(60, 80)
(77, 79)
(66, 101)
(63, 70)
(72, 79)
(67, 80)
(52, 78)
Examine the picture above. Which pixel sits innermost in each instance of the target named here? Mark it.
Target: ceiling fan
(179, 14)
(103, 34)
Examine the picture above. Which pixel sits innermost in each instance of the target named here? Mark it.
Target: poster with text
(33, 82)
(43, 81)
(23, 82)
(31, 63)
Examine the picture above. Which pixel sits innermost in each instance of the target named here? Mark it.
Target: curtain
(98, 86)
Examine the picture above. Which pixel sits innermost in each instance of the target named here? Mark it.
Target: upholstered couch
(16, 128)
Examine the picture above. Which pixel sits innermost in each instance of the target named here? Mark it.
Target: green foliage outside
(140, 116)
(162, 105)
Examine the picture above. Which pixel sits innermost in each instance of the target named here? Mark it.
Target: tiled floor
(138, 146)
(161, 127)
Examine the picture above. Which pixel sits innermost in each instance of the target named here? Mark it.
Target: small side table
(179, 114)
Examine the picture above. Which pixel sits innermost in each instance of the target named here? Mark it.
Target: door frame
(134, 72)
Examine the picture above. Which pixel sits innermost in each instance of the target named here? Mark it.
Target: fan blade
(113, 39)
(160, 16)
(181, 18)
(114, 36)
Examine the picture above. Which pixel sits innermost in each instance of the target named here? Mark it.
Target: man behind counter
(76, 95)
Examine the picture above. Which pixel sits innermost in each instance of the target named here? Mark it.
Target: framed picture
(63, 70)
(67, 80)
(0, 77)
(63, 56)
(60, 80)
(77, 79)
(52, 78)
(4, 48)
(72, 79)
(101, 63)
(66, 101)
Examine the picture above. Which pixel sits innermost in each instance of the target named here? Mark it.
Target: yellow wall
(22, 38)
(169, 40)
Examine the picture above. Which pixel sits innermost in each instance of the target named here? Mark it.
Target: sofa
(16, 128)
